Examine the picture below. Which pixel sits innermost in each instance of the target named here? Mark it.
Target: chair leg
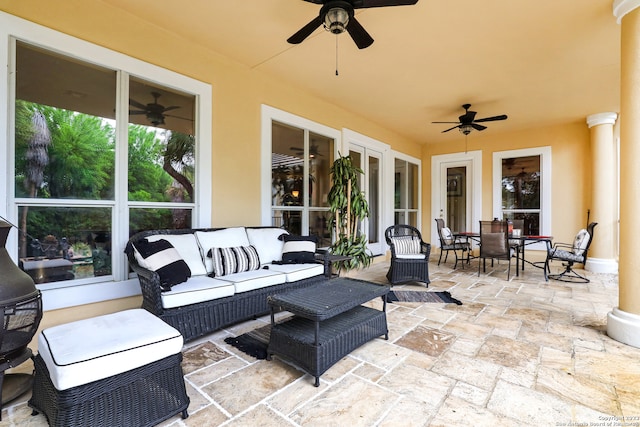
(569, 275)
(440, 256)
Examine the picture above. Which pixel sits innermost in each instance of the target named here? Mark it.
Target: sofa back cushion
(267, 243)
(187, 247)
(225, 238)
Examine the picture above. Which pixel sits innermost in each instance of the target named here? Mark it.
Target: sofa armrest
(149, 285)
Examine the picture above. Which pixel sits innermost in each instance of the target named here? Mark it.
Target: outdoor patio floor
(523, 352)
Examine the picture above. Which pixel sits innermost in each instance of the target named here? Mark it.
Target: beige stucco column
(624, 321)
(602, 254)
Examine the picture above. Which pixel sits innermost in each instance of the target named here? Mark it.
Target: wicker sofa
(204, 303)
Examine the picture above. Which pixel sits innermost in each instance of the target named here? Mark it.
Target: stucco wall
(238, 93)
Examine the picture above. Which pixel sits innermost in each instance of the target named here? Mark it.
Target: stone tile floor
(522, 352)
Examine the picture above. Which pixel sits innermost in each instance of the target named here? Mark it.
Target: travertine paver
(519, 353)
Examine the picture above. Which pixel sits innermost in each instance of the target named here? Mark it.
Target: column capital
(601, 119)
(622, 7)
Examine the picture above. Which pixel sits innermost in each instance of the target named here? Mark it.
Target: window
(522, 188)
(65, 150)
(406, 192)
(297, 157)
(102, 146)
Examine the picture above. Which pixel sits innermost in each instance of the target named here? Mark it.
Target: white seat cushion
(295, 272)
(92, 349)
(225, 238)
(196, 289)
(266, 242)
(255, 279)
(187, 247)
(411, 256)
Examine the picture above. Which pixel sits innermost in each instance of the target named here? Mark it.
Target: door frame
(355, 141)
(474, 185)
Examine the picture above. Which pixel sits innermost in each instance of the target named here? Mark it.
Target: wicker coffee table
(328, 323)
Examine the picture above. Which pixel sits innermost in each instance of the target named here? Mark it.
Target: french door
(370, 161)
(456, 191)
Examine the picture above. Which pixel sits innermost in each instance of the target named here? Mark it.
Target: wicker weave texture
(294, 340)
(144, 396)
(196, 320)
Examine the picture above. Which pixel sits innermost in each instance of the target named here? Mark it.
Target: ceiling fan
(155, 112)
(468, 122)
(338, 16)
(313, 151)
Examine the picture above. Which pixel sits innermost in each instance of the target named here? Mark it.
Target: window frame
(409, 160)
(545, 185)
(268, 116)
(63, 295)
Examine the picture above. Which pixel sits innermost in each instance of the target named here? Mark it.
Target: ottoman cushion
(88, 350)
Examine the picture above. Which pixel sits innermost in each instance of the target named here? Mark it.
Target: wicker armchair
(409, 255)
(569, 254)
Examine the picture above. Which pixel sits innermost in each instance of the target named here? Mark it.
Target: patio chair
(569, 254)
(494, 244)
(409, 255)
(449, 243)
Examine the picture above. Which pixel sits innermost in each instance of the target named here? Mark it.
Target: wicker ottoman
(121, 369)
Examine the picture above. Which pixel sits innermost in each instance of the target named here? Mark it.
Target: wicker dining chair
(569, 254)
(449, 243)
(409, 255)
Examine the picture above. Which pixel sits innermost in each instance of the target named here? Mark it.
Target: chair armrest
(149, 286)
(425, 248)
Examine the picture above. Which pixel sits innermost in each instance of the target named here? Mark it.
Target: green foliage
(348, 207)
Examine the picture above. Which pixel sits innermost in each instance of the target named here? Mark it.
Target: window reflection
(65, 243)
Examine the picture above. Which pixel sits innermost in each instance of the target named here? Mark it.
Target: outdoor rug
(421, 296)
(253, 343)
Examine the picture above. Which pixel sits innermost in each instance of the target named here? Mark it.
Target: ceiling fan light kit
(336, 20)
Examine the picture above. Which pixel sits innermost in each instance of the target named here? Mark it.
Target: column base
(601, 265)
(624, 327)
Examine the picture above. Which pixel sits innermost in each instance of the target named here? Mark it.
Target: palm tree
(37, 157)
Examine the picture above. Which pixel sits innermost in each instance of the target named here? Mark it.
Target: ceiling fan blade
(361, 38)
(362, 4)
(137, 104)
(478, 127)
(492, 119)
(455, 127)
(178, 117)
(305, 31)
(173, 107)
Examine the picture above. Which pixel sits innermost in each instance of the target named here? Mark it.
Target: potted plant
(348, 209)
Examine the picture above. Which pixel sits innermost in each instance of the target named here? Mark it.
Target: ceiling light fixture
(336, 20)
(465, 129)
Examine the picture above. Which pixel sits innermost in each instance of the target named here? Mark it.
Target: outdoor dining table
(525, 240)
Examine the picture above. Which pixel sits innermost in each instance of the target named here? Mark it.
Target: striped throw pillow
(406, 245)
(233, 260)
(160, 256)
(298, 249)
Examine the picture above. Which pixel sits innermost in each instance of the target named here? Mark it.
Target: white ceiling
(542, 62)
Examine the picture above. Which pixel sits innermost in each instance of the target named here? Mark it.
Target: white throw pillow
(581, 241)
(447, 236)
